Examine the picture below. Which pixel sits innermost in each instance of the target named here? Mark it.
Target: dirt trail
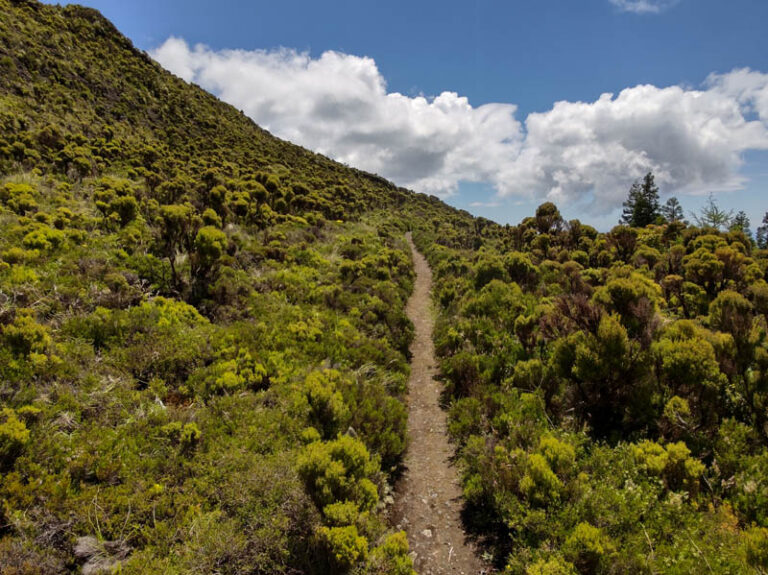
(428, 501)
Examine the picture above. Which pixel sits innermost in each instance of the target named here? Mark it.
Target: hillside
(203, 342)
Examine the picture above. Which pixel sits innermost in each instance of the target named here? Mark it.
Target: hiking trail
(428, 498)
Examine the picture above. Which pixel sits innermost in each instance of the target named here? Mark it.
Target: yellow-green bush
(25, 336)
(344, 545)
(540, 485)
(339, 470)
(391, 557)
(672, 463)
(551, 566)
(586, 547)
(13, 436)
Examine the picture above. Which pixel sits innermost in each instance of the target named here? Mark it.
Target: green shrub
(586, 547)
(44, 238)
(165, 312)
(539, 484)
(13, 436)
(190, 436)
(489, 268)
(25, 336)
(211, 218)
(126, 208)
(673, 463)
(391, 557)
(465, 419)
(210, 244)
(186, 436)
(236, 370)
(520, 269)
(337, 471)
(341, 513)
(560, 456)
(552, 566)
(327, 410)
(21, 198)
(750, 492)
(756, 548)
(344, 545)
(528, 375)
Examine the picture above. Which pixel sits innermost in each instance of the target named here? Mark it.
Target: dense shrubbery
(607, 391)
(203, 348)
(202, 330)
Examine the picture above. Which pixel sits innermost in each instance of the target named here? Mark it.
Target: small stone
(427, 533)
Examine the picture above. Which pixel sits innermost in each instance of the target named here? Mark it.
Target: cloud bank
(587, 152)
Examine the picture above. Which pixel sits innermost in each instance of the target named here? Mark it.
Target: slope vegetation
(608, 392)
(204, 345)
(203, 340)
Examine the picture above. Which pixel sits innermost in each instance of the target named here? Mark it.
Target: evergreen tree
(741, 223)
(762, 233)
(642, 205)
(712, 216)
(672, 210)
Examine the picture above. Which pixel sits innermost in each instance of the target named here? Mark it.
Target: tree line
(642, 208)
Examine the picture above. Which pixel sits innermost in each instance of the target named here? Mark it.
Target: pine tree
(633, 198)
(741, 223)
(642, 205)
(762, 233)
(712, 216)
(672, 210)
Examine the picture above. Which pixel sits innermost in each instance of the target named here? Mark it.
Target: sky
(496, 105)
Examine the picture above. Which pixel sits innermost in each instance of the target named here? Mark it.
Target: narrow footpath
(428, 500)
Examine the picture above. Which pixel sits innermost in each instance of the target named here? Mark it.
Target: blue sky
(524, 56)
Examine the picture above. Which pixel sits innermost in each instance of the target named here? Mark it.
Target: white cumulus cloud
(691, 139)
(338, 105)
(586, 152)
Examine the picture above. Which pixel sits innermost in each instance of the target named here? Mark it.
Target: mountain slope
(202, 329)
(76, 93)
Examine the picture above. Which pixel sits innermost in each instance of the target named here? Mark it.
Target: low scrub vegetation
(607, 391)
(203, 343)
